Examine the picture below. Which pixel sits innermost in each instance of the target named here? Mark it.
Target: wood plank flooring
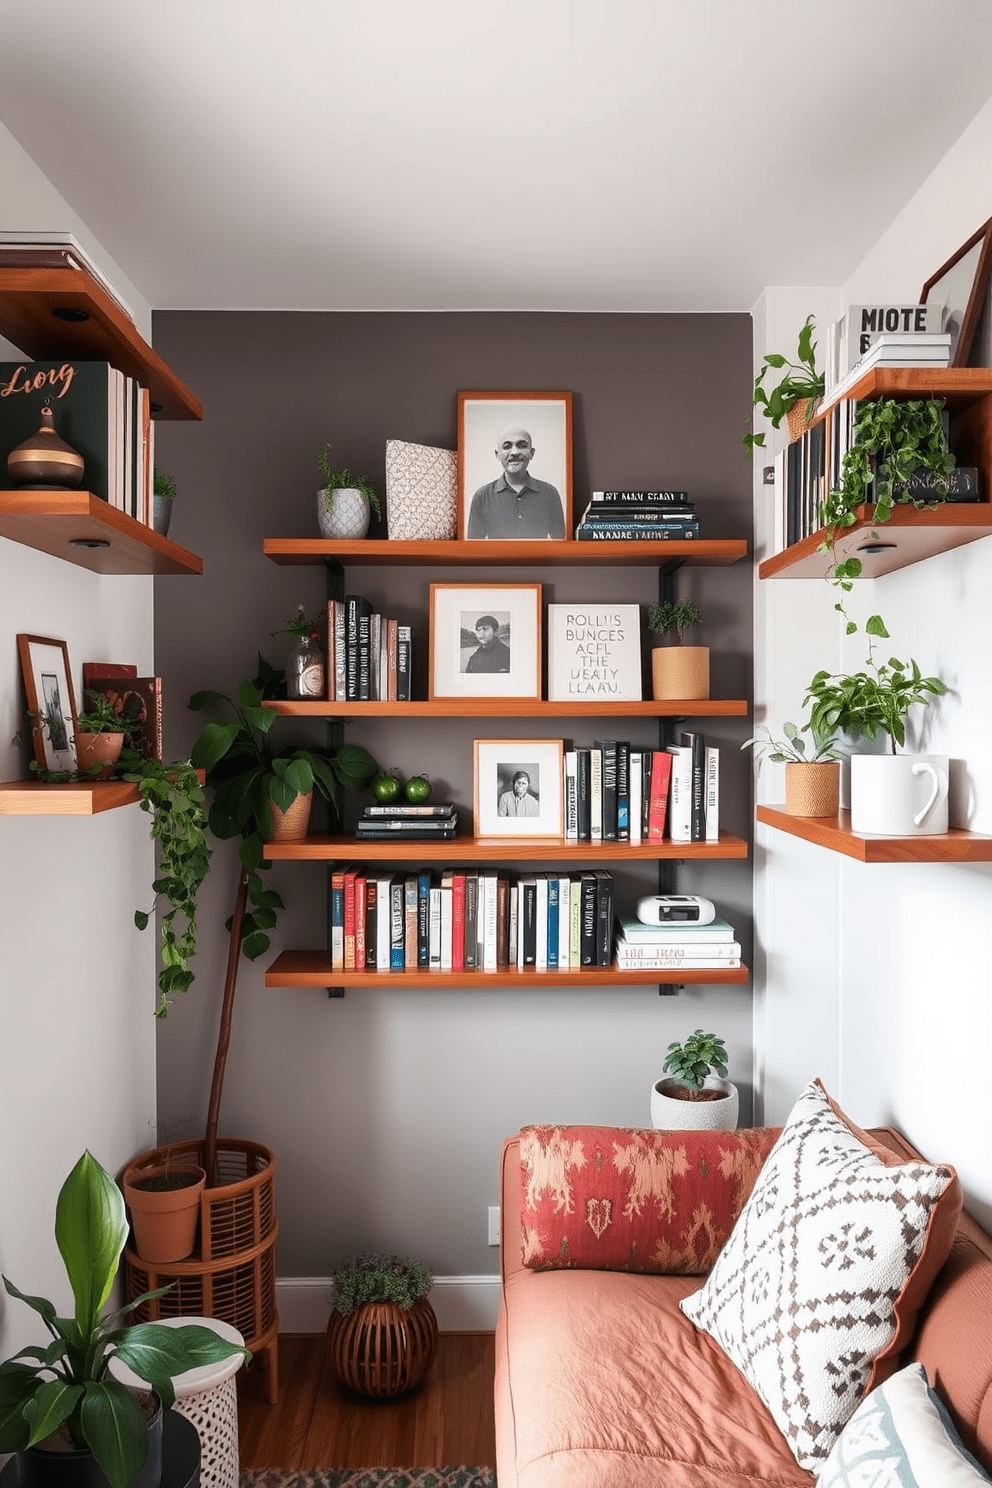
(448, 1421)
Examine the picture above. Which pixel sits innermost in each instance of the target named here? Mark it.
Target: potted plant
(793, 397)
(100, 735)
(59, 1406)
(164, 1203)
(697, 1094)
(382, 1333)
(812, 781)
(345, 502)
(678, 671)
(163, 495)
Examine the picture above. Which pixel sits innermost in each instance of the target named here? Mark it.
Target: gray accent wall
(387, 1109)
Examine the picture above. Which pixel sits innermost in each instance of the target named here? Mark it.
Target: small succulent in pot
(374, 1277)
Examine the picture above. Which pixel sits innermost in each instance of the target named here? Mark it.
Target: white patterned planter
(344, 517)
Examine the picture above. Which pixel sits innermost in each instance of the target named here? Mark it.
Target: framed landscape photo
(518, 787)
(514, 466)
(51, 702)
(962, 284)
(485, 641)
(594, 653)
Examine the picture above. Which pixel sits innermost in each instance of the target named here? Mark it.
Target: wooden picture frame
(48, 689)
(962, 284)
(487, 506)
(470, 658)
(508, 806)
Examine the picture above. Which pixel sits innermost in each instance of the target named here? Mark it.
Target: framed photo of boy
(485, 641)
(518, 787)
(514, 466)
(51, 701)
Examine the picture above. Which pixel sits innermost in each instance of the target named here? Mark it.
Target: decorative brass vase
(45, 459)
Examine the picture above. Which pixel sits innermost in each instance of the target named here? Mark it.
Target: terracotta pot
(813, 789)
(382, 1348)
(669, 1113)
(165, 1208)
(98, 749)
(680, 672)
(290, 825)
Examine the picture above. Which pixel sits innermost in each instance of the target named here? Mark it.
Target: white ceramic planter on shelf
(668, 1113)
(346, 516)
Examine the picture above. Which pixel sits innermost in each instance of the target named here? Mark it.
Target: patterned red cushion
(621, 1199)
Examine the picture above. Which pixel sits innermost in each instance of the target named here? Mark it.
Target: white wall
(77, 981)
(875, 978)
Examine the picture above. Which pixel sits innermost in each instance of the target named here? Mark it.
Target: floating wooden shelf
(907, 537)
(374, 552)
(30, 301)
(517, 708)
(958, 386)
(52, 521)
(313, 969)
(834, 832)
(324, 848)
(76, 798)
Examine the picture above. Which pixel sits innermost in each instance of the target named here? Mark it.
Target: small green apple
(418, 790)
(385, 787)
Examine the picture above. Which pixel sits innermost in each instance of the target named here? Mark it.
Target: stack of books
(925, 349)
(615, 791)
(622, 516)
(431, 823)
(369, 655)
(670, 947)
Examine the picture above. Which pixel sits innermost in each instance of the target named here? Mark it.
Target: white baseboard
(463, 1304)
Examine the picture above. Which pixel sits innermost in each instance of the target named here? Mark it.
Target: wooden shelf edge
(516, 708)
(78, 798)
(323, 848)
(960, 385)
(313, 969)
(834, 833)
(701, 551)
(49, 521)
(924, 533)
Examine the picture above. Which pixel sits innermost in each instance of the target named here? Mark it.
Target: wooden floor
(448, 1421)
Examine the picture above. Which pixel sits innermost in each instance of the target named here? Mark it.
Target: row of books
(469, 919)
(369, 655)
(618, 792)
(104, 416)
(620, 516)
(849, 340)
(437, 821)
(668, 947)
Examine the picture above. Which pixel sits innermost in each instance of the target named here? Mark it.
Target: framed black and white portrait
(518, 787)
(50, 699)
(485, 641)
(514, 466)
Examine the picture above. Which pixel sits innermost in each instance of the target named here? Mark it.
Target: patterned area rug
(372, 1477)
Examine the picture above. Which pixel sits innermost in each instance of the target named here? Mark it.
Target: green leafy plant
(101, 717)
(792, 749)
(248, 775)
(676, 615)
(173, 797)
(871, 702)
(67, 1384)
(163, 484)
(340, 480)
(800, 380)
(372, 1277)
(692, 1061)
(300, 625)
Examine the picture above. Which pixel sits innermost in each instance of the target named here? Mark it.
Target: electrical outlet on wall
(494, 1224)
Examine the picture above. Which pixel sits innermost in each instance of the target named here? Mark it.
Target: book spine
(383, 927)
(392, 648)
(601, 532)
(608, 751)
(712, 794)
(411, 905)
(623, 790)
(588, 936)
(499, 894)
(672, 963)
(696, 744)
(423, 918)
(446, 921)
(661, 769)
(361, 911)
(642, 498)
(349, 920)
(330, 671)
(551, 943)
(397, 922)
(340, 651)
(564, 920)
(595, 794)
(458, 922)
(619, 516)
(571, 798)
(636, 800)
(371, 922)
(352, 610)
(728, 951)
(604, 917)
(404, 661)
(583, 788)
(364, 652)
(435, 928)
(471, 937)
(513, 926)
(647, 768)
(541, 922)
(575, 924)
(527, 931)
(680, 794)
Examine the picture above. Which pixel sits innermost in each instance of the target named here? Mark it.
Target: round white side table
(207, 1397)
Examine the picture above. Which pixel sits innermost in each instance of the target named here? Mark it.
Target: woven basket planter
(813, 789)
(291, 825)
(797, 418)
(680, 672)
(381, 1348)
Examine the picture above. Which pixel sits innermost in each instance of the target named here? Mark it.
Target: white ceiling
(488, 154)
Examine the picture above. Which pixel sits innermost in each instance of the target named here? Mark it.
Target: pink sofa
(601, 1382)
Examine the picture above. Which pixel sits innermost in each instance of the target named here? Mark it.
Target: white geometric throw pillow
(901, 1437)
(818, 1284)
(421, 491)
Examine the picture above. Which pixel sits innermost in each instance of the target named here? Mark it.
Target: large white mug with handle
(899, 795)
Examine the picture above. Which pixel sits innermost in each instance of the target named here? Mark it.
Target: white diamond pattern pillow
(421, 491)
(818, 1284)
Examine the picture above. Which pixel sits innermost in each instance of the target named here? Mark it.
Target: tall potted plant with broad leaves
(60, 1408)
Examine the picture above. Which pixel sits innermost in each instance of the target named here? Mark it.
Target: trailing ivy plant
(800, 380)
(173, 796)
(892, 441)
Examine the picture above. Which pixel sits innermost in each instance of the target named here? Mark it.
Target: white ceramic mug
(899, 795)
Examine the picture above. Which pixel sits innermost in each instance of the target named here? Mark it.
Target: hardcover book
(404, 662)
(625, 532)
(594, 652)
(696, 744)
(83, 398)
(138, 700)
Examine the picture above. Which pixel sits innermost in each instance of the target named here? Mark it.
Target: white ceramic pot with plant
(678, 670)
(812, 777)
(163, 496)
(345, 502)
(696, 1096)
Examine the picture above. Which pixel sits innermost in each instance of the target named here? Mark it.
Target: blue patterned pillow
(901, 1437)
